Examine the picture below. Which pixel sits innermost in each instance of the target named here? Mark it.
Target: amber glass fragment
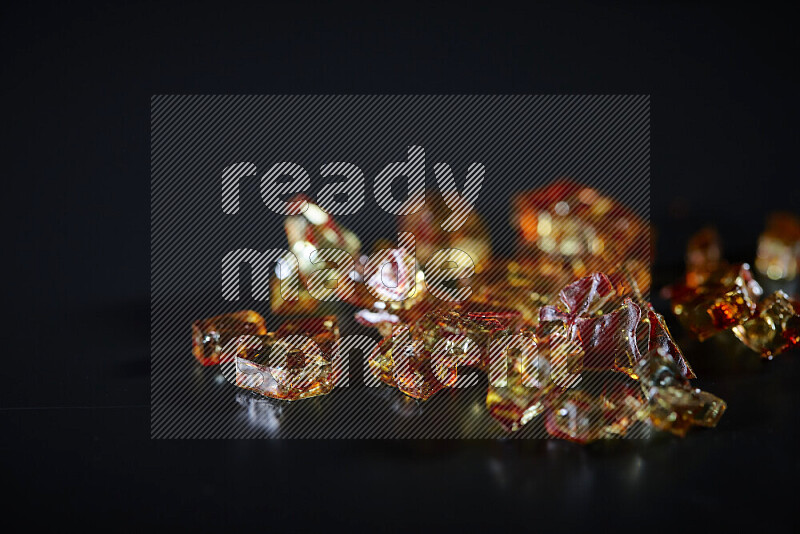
(465, 331)
(417, 377)
(523, 285)
(315, 229)
(660, 338)
(209, 335)
(516, 401)
(676, 409)
(725, 299)
(422, 358)
(673, 405)
(295, 362)
(774, 328)
(581, 416)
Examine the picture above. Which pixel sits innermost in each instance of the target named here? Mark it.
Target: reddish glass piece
(609, 340)
(390, 296)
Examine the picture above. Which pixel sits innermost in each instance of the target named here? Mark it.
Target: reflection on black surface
(722, 364)
(399, 404)
(262, 413)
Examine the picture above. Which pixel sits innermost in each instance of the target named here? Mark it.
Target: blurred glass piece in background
(471, 237)
(778, 253)
(315, 229)
(703, 256)
(584, 230)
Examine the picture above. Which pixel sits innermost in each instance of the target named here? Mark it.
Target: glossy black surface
(75, 403)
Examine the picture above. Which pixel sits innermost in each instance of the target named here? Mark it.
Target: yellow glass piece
(774, 329)
(676, 409)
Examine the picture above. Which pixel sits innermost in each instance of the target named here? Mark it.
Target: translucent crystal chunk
(774, 328)
(209, 335)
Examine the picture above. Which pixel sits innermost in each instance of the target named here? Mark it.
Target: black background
(77, 81)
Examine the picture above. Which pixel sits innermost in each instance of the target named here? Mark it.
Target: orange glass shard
(585, 231)
(466, 334)
(778, 254)
(401, 362)
(523, 285)
(210, 335)
(308, 232)
(774, 328)
(295, 362)
(315, 229)
(726, 298)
